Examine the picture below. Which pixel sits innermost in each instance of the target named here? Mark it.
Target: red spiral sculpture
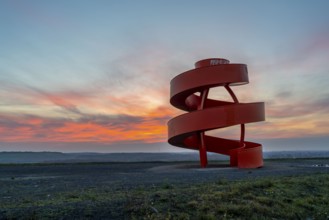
(189, 92)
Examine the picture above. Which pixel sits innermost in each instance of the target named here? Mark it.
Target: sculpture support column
(203, 149)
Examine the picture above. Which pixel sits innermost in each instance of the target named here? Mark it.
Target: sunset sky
(94, 75)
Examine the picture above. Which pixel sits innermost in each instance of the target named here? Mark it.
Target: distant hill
(57, 157)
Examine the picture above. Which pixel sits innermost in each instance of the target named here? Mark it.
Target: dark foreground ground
(40, 191)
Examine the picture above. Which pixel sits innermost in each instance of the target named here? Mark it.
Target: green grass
(305, 197)
(299, 197)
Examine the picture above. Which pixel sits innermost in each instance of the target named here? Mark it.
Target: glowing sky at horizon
(99, 71)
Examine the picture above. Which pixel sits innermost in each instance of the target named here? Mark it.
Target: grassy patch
(304, 197)
(300, 197)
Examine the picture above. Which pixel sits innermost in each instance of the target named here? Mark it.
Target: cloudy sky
(94, 75)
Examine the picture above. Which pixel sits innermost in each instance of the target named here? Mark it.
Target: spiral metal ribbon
(189, 92)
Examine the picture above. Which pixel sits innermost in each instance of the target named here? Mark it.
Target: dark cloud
(111, 121)
(284, 94)
(117, 121)
(322, 103)
(58, 100)
(10, 123)
(300, 108)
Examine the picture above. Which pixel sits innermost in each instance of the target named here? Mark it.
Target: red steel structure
(189, 92)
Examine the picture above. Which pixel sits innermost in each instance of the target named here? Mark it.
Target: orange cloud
(88, 128)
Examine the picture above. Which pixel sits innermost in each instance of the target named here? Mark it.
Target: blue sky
(98, 72)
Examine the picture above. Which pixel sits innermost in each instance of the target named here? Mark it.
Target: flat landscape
(159, 190)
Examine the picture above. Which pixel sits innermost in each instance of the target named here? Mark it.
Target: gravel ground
(127, 175)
